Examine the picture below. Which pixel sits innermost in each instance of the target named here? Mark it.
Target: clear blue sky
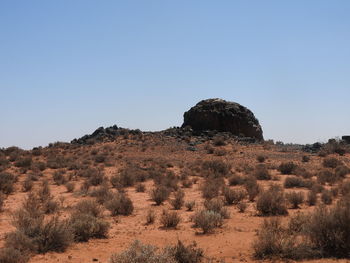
(68, 67)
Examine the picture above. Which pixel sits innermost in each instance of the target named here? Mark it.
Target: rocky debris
(346, 138)
(217, 115)
(104, 135)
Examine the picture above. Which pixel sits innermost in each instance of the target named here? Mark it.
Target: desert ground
(135, 164)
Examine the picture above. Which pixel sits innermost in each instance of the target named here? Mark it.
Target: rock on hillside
(223, 116)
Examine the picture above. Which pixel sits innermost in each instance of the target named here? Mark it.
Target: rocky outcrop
(223, 116)
(104, 134)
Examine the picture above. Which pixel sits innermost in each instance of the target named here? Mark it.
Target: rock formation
(223, 116)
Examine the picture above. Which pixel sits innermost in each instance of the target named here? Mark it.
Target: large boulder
(223, 116)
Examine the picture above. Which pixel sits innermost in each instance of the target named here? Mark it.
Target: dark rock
(346, 138)
(217, 115)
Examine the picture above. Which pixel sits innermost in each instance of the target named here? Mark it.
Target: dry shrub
(287, 167)
(90, 207)
(233, 196)
(329, 229)
(160, 194)
(140, 253)
(215, 168)
(70, 187)
(242, 206)
(311, 198)
(207, 220)
(217, 205)
(169, 180)
(305, 158)
(150, 217)
(327, 197)
(295, 199)
(178, 200)
(86, 226)
(272, 202)
(140, 188)
(2, 200)
(102, 193)
(170, 219)
(276, 241)
(219, 141)
(186, 254)
(24, 162)
(295, 181)
(326, 176)
(27, 184)
(120, 204)
(341, 171)
(261, 158)
(331, 162)
(235, 179)
(261, 172)
(211, 187)
(190, 205)
(6, 182)
(11, 255)
(59, 178)
(252, 187)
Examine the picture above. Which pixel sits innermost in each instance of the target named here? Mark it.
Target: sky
(69, 67)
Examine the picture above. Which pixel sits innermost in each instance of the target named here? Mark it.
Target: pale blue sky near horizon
(68, 67)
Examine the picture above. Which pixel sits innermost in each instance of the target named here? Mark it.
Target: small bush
(70, 187)
(59, 178)
(186, 254)
(242, 206)
(327, 197)
(252, 188)
(207, 220)
(190, 205)
(233, 196)
(215, 168)
(140, 188)
(236, 180)
(305, 158)
(27, 184)
(219, 141)
(160, 194)
(287, 167)
(140, 253)
(331, 162)
(261, 172)
(90, 207)
(6, 182)
(178, 200)
(326, 176)
(311, 198)
(295, 198)
(102, 193)
(217, 205)
(295, 181)
(86, 226)
(150, 217)
(261, 158)
(2, 200)
(11, 255)
(341, 171)
(170, 219)
(272, 202)
(211, 188)
(120, 204)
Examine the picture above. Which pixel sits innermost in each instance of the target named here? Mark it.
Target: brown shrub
(207, 220)
(233, 196)
(261, 172)
(6, 182)
(331, 162)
